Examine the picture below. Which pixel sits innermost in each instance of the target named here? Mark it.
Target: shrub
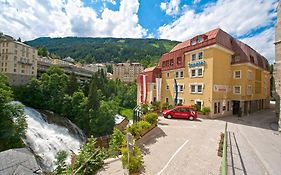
(128, 113)
(144, 108)
(136, 159)
(152, 118)
(205, 110)
(155, 106)
(134, 129)
(143, 125)
(116, 142)
(167, 106)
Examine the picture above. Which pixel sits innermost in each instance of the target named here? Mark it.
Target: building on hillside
(217, 71)
(149, 85)
(18, 161)
(18, 61)
(95, 67)
(82, 74)
(127, 72)
(277, 65)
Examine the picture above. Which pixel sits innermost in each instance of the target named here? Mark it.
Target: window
(167, 87)
(197, 72)
(193, 88)
(252, 59)
(193, 42)
(200, 40)
(219, 107)
(215, 108)
(167, 100)
(153, 86)
(180, 102)
(32, 72)
(22, 71)
(154, 99)
(193, 73)
(168, 74)
(180, 88)
(237, 74)
(15, 70)
(181, 74)
(236, 89)
(249, 90)
(171, 62)
(200, 55)
(199, 88)
(198, 104)
(179, 60)
(177, 74)
(196, 88)
(193, 57)
(200, 72)
(250, 75)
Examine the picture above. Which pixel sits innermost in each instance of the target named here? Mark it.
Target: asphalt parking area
(180, 146)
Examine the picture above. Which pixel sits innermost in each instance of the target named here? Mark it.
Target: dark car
(187, 112)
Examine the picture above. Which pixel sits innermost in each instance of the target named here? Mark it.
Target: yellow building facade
(216, 76)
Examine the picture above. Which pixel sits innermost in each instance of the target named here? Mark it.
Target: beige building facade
(18, 61)
(127, 72)
(216, 71)
(277, 65)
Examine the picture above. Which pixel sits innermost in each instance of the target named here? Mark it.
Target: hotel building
(18, 61)
(149, 85)
(127, 72)
(217, 71)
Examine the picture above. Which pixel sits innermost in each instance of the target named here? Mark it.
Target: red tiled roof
(220, 37)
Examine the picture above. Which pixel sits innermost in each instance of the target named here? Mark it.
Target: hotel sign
(222, 88)
(196, 64)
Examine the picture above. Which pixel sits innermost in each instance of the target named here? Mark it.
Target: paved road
(258, 142)
(185, 147)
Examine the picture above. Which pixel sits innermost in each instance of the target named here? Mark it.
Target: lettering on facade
(221, 88)
(196, 64)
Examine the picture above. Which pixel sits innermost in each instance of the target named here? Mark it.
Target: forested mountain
(92, 50)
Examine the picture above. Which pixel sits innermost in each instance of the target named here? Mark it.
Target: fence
(224, 153)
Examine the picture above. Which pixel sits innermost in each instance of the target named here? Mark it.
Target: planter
(147, 130)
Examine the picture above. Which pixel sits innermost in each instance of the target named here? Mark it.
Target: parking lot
(182, 147)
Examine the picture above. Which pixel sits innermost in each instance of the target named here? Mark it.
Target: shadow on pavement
(149, 139)
(265, 119)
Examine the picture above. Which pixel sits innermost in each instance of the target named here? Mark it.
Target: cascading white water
(47, 139)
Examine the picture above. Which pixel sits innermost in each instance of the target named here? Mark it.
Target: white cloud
(263, 43)
(196, 1)
(235, 17)
(57, 18)
(171, 8)
(110, 1)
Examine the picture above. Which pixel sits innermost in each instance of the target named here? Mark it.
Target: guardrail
(224, 153)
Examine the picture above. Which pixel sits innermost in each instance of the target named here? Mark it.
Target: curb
(111, 160)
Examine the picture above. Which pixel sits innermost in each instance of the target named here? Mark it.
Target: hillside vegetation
(91, 50)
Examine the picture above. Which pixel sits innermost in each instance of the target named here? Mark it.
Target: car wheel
(191, 118)
(169, 116)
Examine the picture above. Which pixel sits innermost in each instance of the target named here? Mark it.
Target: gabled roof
(18, 160)
(223, 39)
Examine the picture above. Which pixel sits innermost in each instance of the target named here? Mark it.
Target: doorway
(235, 107)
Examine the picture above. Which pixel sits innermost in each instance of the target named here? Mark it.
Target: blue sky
(251, 21)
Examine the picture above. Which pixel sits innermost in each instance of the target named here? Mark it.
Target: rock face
(277, 66)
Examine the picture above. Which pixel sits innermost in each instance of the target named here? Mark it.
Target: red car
(181, 112)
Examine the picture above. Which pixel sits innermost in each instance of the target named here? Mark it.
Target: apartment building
(18, 61)
(149, 85)
(127, 72)
(217, 71)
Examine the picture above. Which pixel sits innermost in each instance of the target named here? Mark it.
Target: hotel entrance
(235, 107)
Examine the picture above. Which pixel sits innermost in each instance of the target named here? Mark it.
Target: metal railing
(224, 153)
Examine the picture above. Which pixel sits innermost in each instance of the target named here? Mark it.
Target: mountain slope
(106, 49)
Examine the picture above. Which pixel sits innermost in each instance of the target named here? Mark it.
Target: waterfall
(46, 139)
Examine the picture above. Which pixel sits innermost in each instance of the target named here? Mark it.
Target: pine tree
(72, 85)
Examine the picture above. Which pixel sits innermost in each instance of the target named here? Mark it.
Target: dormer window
(193, 42)
(200, 39)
